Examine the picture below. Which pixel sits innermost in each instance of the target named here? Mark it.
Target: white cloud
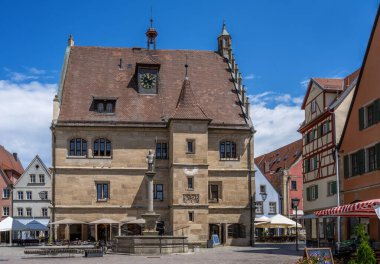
(36, 71)
(250, 77)
(276, 126)
(25, 114)
(30, 74)
(305, 83)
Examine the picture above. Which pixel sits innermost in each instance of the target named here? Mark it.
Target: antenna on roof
(186, 66)
(151, 16)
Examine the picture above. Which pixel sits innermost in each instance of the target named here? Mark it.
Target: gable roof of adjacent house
(375, 30)
(10, 161)
(94, 72)
(336, 85)
(270, 164)
(36, 158)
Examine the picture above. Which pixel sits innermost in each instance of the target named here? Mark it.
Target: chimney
(15, 155)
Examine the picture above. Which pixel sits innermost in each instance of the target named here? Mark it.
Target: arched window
(227, 150)
(102, 147)
(78, 147)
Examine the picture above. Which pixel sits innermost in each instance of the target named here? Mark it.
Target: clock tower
(151, 35)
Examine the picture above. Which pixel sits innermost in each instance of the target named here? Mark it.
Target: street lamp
(263, 196)
(295, 202)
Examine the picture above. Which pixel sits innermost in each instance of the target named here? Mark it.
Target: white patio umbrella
(10, 224)
(262, 219)
(278, 221)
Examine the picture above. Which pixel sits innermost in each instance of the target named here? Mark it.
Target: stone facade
(203, 193)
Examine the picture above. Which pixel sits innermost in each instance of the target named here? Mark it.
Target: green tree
(364, 253)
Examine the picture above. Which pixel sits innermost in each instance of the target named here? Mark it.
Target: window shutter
(328, 125)
(377, 151)
(308, 194)
(316, 192)
(346, 166)
(376, 108)
(361, 118)
(315, 162)
(361, 163)
(334, 188)
(305, 139)
(306, 165)
(319, 131)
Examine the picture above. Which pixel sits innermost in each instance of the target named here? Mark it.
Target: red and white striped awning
(359, 209)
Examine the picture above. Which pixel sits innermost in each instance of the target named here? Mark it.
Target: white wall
(272, 194)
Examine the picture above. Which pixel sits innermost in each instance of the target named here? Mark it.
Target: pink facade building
(10, 171)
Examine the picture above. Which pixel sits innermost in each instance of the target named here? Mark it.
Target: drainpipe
(337, 175)
(251, 197)
(52, 230)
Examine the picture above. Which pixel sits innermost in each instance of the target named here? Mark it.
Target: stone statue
(150, 159)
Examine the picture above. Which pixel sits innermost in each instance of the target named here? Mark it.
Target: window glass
(222, 150)
(100, 107)
(190, 183)
(109, 107)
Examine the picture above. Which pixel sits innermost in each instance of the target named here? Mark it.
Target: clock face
(147, 80)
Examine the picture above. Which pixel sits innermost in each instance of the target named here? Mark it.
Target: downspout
(337, 176)
(251, 197)
(53, 183)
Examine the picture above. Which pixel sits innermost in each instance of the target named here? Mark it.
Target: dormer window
(104, 106)
(147, 79)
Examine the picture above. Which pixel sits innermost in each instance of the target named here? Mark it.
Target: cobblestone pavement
(261, 254)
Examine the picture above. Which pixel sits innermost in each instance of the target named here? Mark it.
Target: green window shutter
(316, 192)
(306, 165)
(361, 161)
(361, 118)
(333, 187)
(377, 151)
(305, 139)
(346, 166)
(319, 131)
(315, 162)
(376, 108)
(328, 125)
(308, 194)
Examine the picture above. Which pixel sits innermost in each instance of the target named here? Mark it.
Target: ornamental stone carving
(191, 198)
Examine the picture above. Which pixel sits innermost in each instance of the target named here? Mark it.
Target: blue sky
(278, 44)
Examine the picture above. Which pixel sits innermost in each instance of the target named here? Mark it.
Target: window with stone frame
(32, 178)
(190, 183)
(102, 191)
(28, 211)
(20, 195)
(5, 211)
(158, 192)
(259, 207)
(191, 216)
(44, 212)
(227, 150)
(78, 147)
(162, 150)
(43, 195)
(42, 178)
(6, 193)
(272, 208)
(28, 195)
(102, 147)
(190, 146)
(236, 231)
(20, 212)
(213, 193)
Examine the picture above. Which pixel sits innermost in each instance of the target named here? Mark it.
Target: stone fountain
(150, 243)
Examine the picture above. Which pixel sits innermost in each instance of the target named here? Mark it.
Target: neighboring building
(32, 194)
(10, 170)
(271, 206)
(360, 144)
(283, 168)
(325, 99)
(114, 104)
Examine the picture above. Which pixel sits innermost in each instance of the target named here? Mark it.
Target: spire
(70, 41)
(224, 42)
(224, 30)
(187, 106)
(151, 34)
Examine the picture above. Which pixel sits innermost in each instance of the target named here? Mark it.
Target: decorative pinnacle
(186, 66)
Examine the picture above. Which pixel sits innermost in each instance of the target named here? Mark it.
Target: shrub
(364, 253)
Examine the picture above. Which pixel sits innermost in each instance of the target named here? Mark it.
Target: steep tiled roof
(9, 162)
(330, 83)
(95, 72)
(187, 106)
(273, 163)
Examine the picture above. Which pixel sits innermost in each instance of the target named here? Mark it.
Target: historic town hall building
(115, 104)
